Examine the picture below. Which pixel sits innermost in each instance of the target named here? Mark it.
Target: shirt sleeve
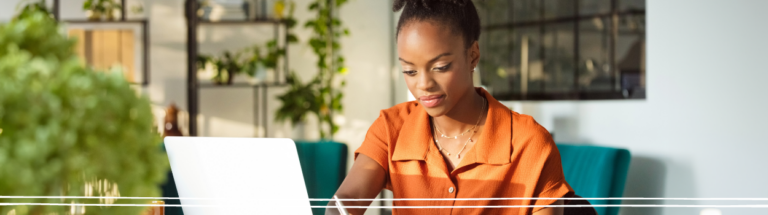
(551, 182)
(376, 143)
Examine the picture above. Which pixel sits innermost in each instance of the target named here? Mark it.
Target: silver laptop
(237, 175)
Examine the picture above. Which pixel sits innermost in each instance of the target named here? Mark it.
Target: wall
(701, 132)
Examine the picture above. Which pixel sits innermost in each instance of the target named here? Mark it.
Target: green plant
(30, 31)
(99, 7)
(251, 59)
(322, 94)
(226, 66)
(32, 7)
(66, 130)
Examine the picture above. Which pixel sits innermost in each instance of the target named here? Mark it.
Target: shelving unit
(123, 20)
(193, 84)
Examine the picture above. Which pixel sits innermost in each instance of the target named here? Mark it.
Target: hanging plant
(322, 95)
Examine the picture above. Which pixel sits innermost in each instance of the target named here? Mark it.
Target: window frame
(617, 91)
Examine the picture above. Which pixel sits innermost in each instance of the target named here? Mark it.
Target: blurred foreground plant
(66, 130)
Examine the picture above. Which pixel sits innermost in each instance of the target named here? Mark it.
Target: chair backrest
(324, 166)
(596, 172)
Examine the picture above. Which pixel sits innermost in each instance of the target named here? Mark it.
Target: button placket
(451, 193)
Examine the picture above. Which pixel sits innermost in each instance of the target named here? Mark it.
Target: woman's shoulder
(526, 131)
(399, 112)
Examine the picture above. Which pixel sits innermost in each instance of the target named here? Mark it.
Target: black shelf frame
(193, 84)
(616, 92)
(123, 19)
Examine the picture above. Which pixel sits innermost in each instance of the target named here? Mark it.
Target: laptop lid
(237, 175)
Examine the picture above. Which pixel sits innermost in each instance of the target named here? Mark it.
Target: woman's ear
(474, 54)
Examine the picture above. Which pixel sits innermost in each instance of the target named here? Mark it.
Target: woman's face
(436, 65)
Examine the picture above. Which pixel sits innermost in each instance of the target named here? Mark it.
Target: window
(563, 49)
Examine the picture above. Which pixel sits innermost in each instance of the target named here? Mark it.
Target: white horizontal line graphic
(403, 207)
(401, 199)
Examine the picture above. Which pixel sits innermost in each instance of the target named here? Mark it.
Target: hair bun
(400, 4)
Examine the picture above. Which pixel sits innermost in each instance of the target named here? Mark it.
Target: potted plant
(112, 9)
(225, 67)
(66, 130)
(99, 8)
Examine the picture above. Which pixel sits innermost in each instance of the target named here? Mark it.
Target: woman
(455, 140)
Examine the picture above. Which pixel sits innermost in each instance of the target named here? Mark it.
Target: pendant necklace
(458, 155)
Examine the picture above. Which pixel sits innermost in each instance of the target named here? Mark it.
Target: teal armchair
(596, 172)
(324, 166)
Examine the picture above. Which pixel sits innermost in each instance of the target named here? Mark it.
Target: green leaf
(339, 3)
(292, 38)
(87, 4)
(314, 6)
(310, 23)
(290, 22)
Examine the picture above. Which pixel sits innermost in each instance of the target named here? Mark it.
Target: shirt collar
(493, 146)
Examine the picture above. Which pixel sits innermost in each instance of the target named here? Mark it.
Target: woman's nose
(425, 81)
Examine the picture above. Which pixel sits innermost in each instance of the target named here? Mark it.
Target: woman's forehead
(426, 40)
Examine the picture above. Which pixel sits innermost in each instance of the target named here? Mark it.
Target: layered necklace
(472, 129)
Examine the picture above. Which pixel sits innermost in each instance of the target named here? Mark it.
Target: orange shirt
(513, 157)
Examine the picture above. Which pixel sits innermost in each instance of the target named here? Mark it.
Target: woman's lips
(431, 101)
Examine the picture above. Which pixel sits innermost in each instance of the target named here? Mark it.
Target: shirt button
(450, 190)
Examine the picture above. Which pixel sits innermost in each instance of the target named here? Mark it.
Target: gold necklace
(458, 155)
(470, 129)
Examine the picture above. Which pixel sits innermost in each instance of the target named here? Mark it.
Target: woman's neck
(464, 115)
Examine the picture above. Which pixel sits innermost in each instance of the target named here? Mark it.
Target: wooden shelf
(242, 22)
(194, 22)
(85, 21)
(240, 85)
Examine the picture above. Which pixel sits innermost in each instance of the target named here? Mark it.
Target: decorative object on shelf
(219, 10)
(98, 8)
(136, 9)
(279, 9)
(70, 131)
(204, 10)
(321, 95)
(171, 123)
(225, 66)
(259, 9)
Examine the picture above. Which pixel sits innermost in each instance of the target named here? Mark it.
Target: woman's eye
(409, 72)
(442, 68)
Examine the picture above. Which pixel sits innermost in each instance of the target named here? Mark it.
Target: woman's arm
(551, 211)
(364, 181)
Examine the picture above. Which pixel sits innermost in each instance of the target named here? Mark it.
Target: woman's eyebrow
(430, 61)
(439, 56)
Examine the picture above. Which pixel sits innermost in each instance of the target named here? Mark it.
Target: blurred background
(678, 83)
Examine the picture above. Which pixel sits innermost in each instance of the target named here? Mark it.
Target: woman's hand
(364, 181)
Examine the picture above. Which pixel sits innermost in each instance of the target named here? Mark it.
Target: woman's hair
(460, 16)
